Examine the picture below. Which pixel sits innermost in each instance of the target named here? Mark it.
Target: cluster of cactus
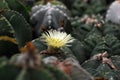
(81, 7)
(96, 35)
(58, 46)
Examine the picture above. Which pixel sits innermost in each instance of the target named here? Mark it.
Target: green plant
(49, 16)
(101, 66)
(15, 30)
(81, 7)
(29, 66)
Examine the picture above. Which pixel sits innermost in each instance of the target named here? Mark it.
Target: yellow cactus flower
(57, 39)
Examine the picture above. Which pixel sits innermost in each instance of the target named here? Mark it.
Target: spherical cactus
(74, 70)
(8, 44)
(101, 66)
(56, 42)
(12, 32)
(108, 43)
(13, 24)
(29, 66)
(44, 17)
(113, 12)
(69, 66)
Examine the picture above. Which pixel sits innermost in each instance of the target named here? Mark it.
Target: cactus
(39, 44)
(50, 16)
(16, 6)
(78, 50)
(87, 25)
(20, 29)
(15, 31)
(69, 66)
(100, 66)
(8, 44)
(111, 28)
(57, 43)
(28, 66)
(81, 7)
(59, 56)
(74, 70)
(13, 25)
(110, 44)
(96, 36)
(19, 7)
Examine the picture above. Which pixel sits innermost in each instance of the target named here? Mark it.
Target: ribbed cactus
(54, 43)
(49, 16)
(74, 70)
(110, 44)
(113, 12)
(18, 6)
(15, 5)
(22, 30)
(87, 25)
(112, 29)
(28, 66)
(101, 66)
(8, 44)
(69, 66)
(76, 44)
(96, 36)
(15, 31)
(81, 7)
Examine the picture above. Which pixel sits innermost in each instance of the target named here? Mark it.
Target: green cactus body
(21, 28)
(8, 44)
(60, 51)
(28, 66)
(15, 31)
(109, 43)
(49, 16)
(111, 28)
(87, 25)
(19, 7)
(31, 74)
(24, 74)
(79, 51)
(88, 7)
(100, 70)
(39, 44)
